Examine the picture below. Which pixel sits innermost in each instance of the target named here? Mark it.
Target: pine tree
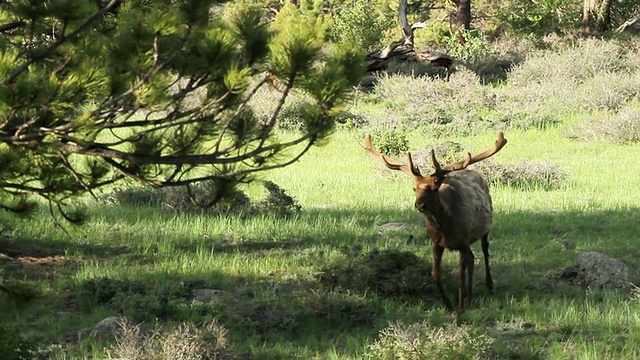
(94, 92)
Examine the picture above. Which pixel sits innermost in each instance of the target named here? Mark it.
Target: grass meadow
(327, 282)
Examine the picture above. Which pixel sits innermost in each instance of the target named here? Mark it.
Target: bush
(183, 342)
(447, 152)
(528, 175)
(390, 143)
(134, 299)
(278, 202)
(134, 196)
(621, 127)
(553, 83)
(473, 48)
(355, 22)
(209, 196)
(14, 345)
(421, 341)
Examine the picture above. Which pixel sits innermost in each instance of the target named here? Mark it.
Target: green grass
(277, 308)
(317, 284)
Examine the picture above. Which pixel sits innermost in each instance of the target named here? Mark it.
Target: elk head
(426, 187)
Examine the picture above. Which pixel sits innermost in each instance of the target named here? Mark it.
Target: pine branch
(46, 52)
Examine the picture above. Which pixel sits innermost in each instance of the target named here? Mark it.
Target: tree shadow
(525, 247)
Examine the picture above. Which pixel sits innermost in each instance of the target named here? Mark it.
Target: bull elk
(458, 209)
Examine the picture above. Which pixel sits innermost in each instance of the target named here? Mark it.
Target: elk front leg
(435, 274)
(465, 267)
(485, 252)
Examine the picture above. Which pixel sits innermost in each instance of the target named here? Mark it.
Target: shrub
(527, 175)
(355, 22)
(446, 152)
(621, 127)
(212, 196)
(182, 342)
(134, 299)
(278, 202)
(421, 341)
(209, 196)
(474, 46)
(14, 345)
(134, 196)
(570, 79)
(390, 143)
(570, 66)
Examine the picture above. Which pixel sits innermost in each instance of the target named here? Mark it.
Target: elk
(458, 210)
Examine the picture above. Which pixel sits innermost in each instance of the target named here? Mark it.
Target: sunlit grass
(344, 195)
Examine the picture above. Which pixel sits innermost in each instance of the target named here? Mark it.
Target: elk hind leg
(470, 264)
(485, 252)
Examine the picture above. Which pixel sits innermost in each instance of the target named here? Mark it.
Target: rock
(107, 328)
(206, 295)
(595, 270)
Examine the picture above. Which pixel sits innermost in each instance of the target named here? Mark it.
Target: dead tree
(403, 50)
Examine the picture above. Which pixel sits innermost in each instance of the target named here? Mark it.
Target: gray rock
(206, 295)
(107, 328)
(595, 270)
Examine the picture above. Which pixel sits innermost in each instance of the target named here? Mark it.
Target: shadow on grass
(354, 300)
(253, 309)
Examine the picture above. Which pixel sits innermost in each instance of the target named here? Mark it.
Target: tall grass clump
(420, 341)
(570, 79)
(430, 105)
(183, 342)
(524, 176)
(619, 127)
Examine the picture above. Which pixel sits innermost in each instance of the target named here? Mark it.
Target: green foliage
(14, 345)
(473, 48)
(390, 142)
(278, 203)
(159, 92)
(361, 23)
(540, 18)
(421, 341)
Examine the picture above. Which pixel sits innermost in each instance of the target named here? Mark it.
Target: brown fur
(459, 212)
(458, 209)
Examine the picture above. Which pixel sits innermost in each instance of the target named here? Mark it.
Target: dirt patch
(42, 268)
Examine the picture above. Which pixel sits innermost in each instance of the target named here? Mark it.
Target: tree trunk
(596, 14)
(463, 13)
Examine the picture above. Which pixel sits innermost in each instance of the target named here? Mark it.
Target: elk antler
(474, 159)
(391, 163)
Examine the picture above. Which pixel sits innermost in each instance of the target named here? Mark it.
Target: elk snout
(419, 206)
